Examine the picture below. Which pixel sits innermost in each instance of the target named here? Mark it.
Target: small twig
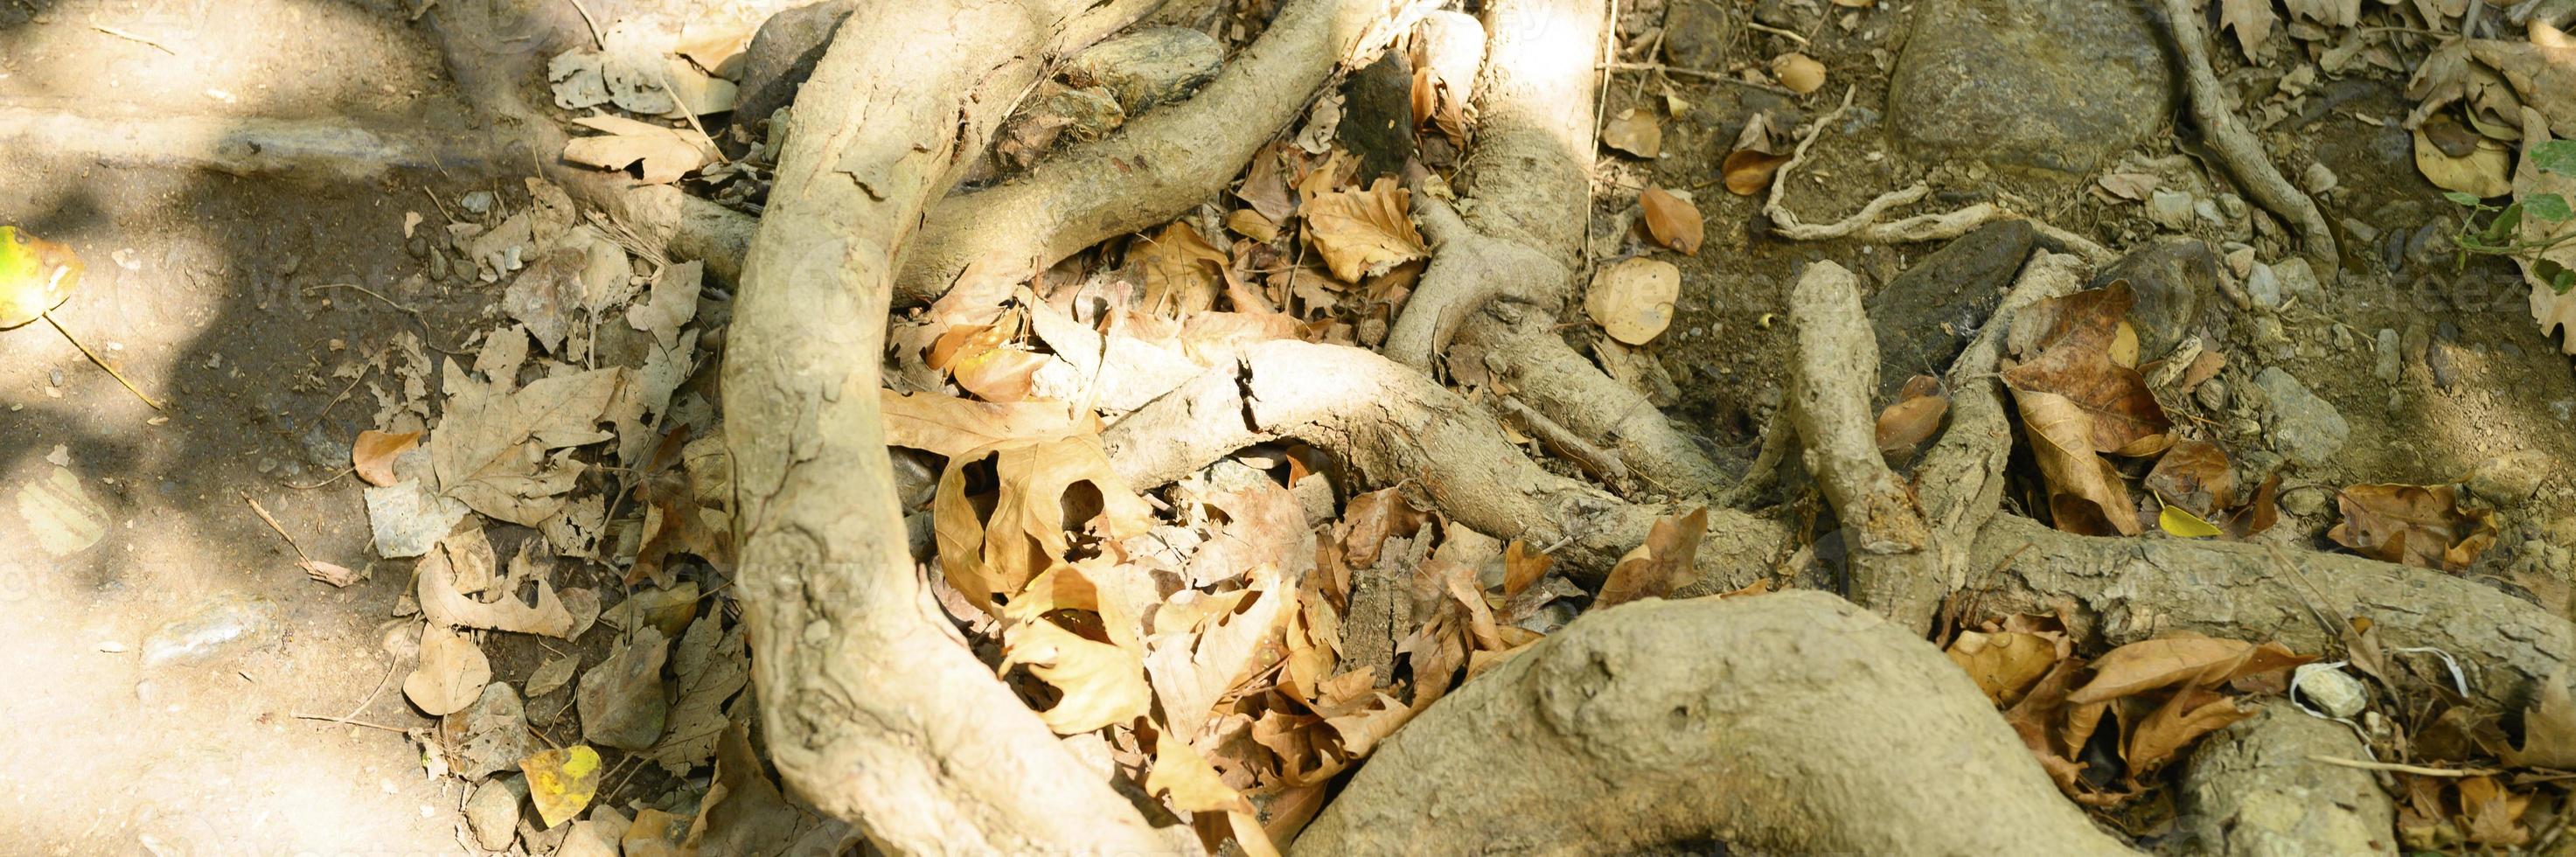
(132, 37)
(272, 524)
(2403, 769)
(1786, 34)
(1662, 68)
(344, 472)
(415, 314)
(93, 357)
(343, 720)
(596, 39)
(442, 207)
(1599, 462)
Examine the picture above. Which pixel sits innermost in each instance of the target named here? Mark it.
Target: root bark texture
(1894, 564)
(1162, 164)
(2256, 788)
(874, 711)
(1793, 722)
(2213, 108)
(1399, 427)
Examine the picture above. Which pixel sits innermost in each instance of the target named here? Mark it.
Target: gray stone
(493, 813)
(2051, 84)
(2255, 788)
(782, 54)
(2171, 279)
(2511, 478)
(1694, 34)
(1926, 315)
(2305, 427)
(2263, 284)
(2305, 503)
(2385, 359)
(2211, 393)
(2299, 281)
(2170, 209)
(1151, 66)
(1377, 116)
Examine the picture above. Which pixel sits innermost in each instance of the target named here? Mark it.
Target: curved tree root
(1397, 426)
(1158, 166)
(1895, 564)
(2238, 148)
(874, 711)
(1521, 346)
(1793, 722)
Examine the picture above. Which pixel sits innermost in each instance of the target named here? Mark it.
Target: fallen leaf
(373, 454)
(2074, 360)
(1046, 496)
(60, 514)
(1635, 132)
(2418, 525)
(2548, 729)
(2251, 19)
(331, 573)
(2177, 522)
(660, 154)
(1182, 270)
(489, 449)
(552, 675)
(948, 426)
(2150, 665)
(2491, 814)
(445, 606)
(1801, 73)
(2331, 13)
(1250, 224)
(562, 781)
(2085, 493)
(1672, 219)
(2129, 186)
(2257, 514)
(1748, 171)
(2555, 310)
(709, 667)
(1908, 423)
(2004, 664)
(2541, 68)
(620, 700)
(1522, 567)
(2195, 475)
(1368, 520)
(2182, 719)
(1187, 781)
(673, 303)
(1195, 655)
(36, 275)
(2481, 173)
(1361, 233)
(1660, 565)
(984, 360)
(1632, 299)
(451, 673)
(1100, 684)
(655, 833)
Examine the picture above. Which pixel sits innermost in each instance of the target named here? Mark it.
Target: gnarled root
(1397, 426)
(1894, 564)
(1793, 722)
(2237, 147)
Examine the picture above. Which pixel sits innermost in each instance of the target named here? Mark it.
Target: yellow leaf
(2179, 522)
(1364, 232)
(1102, 683)
(561, 781)
(1190, 782)
(36, 275)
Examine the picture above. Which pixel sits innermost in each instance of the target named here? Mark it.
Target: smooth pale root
(1633, 299)
(36, 275)
(2480, 173)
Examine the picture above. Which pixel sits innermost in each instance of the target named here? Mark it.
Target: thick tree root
(1961, 479)
(1468, 270)
(1520, 346)
(1398, 427)
(1895, 567)
(2121, 590)
(229, 144)
(2237, 147)
(1158, 166)
(1793, 723)
(2256, 788)
(873, 710)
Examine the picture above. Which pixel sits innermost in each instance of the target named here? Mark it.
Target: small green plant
(2502, 234)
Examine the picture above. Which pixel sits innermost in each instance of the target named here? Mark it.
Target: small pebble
(2211, 393)
(2263, 285)
(2330, 689)
(478, 201)
(2170, 209)
(2319, 178)
(2384, 354)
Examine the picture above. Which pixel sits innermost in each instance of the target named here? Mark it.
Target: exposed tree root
(1792, 723)
(2128, 589)
(1961, 479)
(229, 144)
(2256, 788)
(1895, 568)
(1468, 269)
(1864, 225)
(1520, 345)
(873, 710)
(2237, 147)
(1396, 426)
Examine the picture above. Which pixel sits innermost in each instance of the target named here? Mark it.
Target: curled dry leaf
(1362, 233)
(1672, 219)
(1635, 132)
(1045, 498)
(2194, 475)
(1748, 171)
(1632, 299)
(661, 154)
(36, 275)
(1186, 779)
(2151, 665)
(983, 359)
(2129, 186)
(2418, 525)
(451, 673)
(331, 573)
(1660, 565)
(1914, 418)
(374, 452)
(1801, 73)
(1182, 270)
(2480, 173)
(2005, 664)
(2542, 70)
(2085, 494)
(2548, 729)
(948, 426)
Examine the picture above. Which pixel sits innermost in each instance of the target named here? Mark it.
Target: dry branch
(2212, 107)
(126, 137)
(874, 710)
(1895, 566)
(1397, 426)
(1961, 479)
(1791, 723)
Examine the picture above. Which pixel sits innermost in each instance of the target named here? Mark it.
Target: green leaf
(2501, 231)
(2557, 156)
(2548, 207)
(2470, 200)
(2566, 280)
(2556, 275)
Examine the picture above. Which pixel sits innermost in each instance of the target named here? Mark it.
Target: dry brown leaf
(374, 452)
(1673, 220)
(1102, 684)
(1182, 270)
(1046, 497)
(948, 426)
(331, 573)
(2480, 173)
(2074, 338)
(2418, 525)
(489, 449)
(661, 153)
(2491, 814)
(2004, 664)
(2150, 665)
(2182, 719)
(2043, 716)
(1522, 567)
(1632, 299)
(1364, 232)
(1369, 519)
(2542, 69)
(451, 673)
(445, 606)
(2548, 729)
(2086, 494)
(1186, 780)
(1748, 171)
(1635, 132)
(1265, 189)
(2257, 514)
(1660, 565)
(1912, 420)
(2194, 475)
(984, 361)
(1250, 224)
(2252, 20)
(1801, 73)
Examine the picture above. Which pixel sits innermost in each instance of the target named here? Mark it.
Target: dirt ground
(223, 296)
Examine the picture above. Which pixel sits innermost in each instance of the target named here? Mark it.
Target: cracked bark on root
(1893, 555)
(873, 709)
(1793, 722)
(1398, 427)
(2213, 108)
